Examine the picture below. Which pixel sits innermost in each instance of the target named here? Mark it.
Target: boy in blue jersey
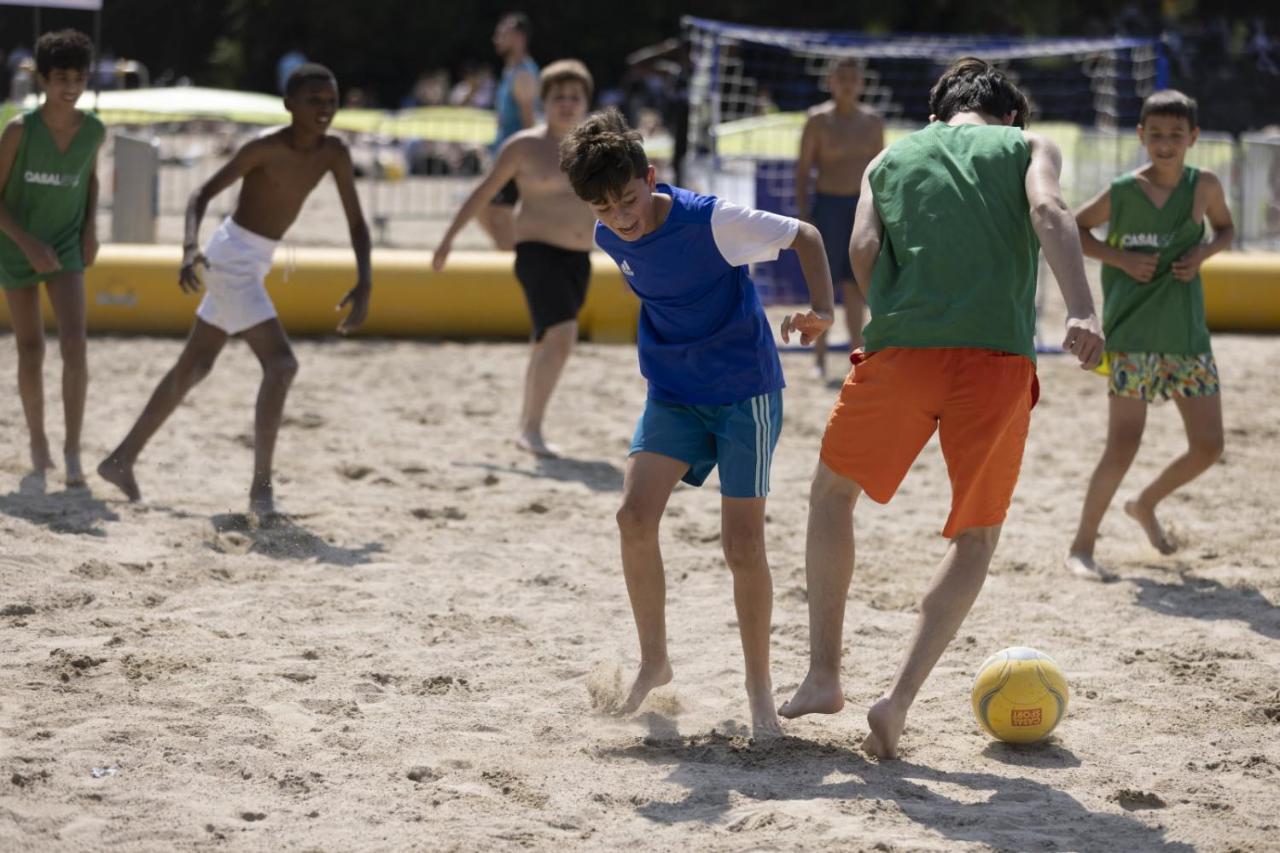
(715, 381)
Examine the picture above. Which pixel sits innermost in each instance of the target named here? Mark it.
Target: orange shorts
(980, 402)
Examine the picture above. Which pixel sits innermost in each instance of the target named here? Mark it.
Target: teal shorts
(739, 438)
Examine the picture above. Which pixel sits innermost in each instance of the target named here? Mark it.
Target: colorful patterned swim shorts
(1152, 376)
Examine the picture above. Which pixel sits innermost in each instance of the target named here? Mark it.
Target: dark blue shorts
(833, 217)
(737, 437)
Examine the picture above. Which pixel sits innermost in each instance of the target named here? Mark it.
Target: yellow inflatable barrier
(1242, 291)
(134, 289)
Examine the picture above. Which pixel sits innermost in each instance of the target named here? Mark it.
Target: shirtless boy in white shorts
(280, 169)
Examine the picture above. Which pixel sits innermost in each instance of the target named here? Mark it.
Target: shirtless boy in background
(839, 139)
(554, 236)
(280, 169)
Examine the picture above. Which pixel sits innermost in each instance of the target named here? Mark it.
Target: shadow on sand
(72, 511)
(718, 772)
(596, 474)
(281, 537)
(1202, 598)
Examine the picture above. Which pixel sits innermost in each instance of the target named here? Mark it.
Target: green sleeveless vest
(958, 263)
(1164, 315)
(46, 194)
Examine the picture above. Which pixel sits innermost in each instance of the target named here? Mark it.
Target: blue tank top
(704, 338)
(509, 121)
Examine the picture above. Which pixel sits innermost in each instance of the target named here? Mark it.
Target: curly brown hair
(601, 156)
(63, 49)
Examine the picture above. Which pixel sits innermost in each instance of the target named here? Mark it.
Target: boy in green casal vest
(1153, 316)
(47, 233)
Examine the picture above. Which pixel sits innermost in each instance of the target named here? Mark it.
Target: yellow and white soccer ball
(1019, 695)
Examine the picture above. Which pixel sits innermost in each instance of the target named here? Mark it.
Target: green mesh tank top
(46, 193)
(958, 263)
(1164, 315)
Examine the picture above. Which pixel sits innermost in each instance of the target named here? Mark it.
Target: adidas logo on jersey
(626, 269)
(52, 179)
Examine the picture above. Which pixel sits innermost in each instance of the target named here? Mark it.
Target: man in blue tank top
(715, 380)
(516, 105)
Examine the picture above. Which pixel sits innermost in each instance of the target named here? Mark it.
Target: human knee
(744, 549)
(978, 538)
(1207, 449)
(73, 348)
(830, 490)
(31, 349)
(281, 368)
(635, 522)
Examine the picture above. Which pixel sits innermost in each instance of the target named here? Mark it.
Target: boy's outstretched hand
(1084, 340)
(358, 298)
(810, 325)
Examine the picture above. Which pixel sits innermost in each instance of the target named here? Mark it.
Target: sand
(415, 659)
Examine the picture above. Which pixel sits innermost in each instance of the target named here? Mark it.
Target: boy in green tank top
(945, 241)
(1153, 315)
(47, 233)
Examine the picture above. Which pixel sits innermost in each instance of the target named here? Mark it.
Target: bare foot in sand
(119, 473)
(764, 715)
(1159, 540)
(1083, 565)
(75, 474)
(647, 679)
(886, 723)
(815, 696)
(532, 442)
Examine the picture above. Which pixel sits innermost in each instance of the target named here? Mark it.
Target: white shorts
(235, 293)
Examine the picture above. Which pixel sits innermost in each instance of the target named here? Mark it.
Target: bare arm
(817, 277)
(1060, 239)
(804, 168)
(240, 164)
(344, 176)
(42, 258)
(868, 232)
(1224, 229)
(524, 88)
(504, 169)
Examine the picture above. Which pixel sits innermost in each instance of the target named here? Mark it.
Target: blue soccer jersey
(704, 338)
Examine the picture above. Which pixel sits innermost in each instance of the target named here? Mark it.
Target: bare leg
(828, 567)
(1125, 422)
(28, 333)
(194, 363)
(742, 532)
(954, 589)
(1202, 418)
(66, 294)
(547, 359)
(499, 222)
(270, 344)
(647, 485)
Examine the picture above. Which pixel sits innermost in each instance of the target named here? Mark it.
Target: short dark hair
(1170, 102)
(601, 156)
(63, 49)
(308, 72)
(519, 22)
(975, 85)
(566, 71)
